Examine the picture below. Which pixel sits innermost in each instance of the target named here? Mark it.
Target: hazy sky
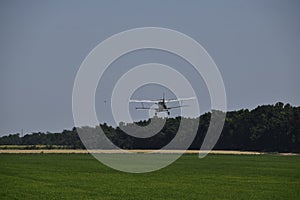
(254, 43)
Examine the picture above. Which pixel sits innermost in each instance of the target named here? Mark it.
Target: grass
(80, 176)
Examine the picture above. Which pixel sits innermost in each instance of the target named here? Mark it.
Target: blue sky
(254, 43)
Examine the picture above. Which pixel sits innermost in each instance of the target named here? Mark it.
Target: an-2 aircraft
(161, 103)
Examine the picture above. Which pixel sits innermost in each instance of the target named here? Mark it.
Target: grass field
(80, 176)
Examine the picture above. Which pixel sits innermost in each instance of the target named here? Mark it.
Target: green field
(80, 176)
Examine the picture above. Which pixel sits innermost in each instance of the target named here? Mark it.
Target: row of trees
(67, 138)
(271, 128)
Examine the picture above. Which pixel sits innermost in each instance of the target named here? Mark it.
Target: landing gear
(168, 112)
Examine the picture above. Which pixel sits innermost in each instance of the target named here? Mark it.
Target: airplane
(162, 106)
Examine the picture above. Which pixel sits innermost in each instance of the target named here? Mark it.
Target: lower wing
(145, 108)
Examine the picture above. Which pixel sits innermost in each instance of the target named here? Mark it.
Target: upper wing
(177, 107)
(143, 101)
(180, 99)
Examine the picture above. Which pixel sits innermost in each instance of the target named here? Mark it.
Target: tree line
(267, 128)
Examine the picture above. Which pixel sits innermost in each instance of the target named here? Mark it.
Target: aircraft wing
(180, 99)
(145, 108)
(177, 106)
(143, 101)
